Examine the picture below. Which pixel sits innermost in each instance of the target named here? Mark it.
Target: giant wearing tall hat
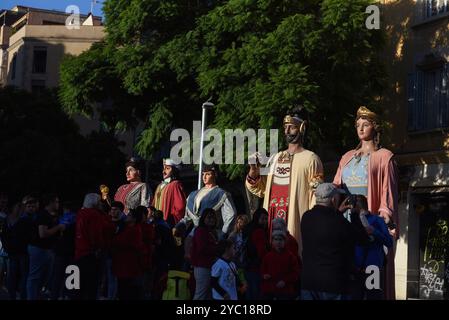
(169, 196)
(288, 189)
(370, 170)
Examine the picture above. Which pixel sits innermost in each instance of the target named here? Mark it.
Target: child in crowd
(280, 270)
(240, 257)
(224, 273)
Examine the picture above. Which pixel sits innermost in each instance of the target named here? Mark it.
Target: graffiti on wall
(434, 270)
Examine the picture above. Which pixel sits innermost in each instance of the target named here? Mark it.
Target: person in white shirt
(224, 273)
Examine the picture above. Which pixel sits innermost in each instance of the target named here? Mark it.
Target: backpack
(177, 286)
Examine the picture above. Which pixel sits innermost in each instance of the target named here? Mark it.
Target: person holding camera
(371, 254)
(329, 242)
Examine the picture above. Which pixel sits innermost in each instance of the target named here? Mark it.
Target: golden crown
(364, 112)
(292, 120)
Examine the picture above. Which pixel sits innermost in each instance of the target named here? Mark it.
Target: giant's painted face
(292, 133)
(208, 177)
(167, 171)
(365, 129)
(132, 174)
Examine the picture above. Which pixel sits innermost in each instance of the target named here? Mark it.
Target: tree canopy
(161, 60)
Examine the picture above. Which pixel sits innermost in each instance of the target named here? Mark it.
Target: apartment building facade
(417, 108)
(33, 44)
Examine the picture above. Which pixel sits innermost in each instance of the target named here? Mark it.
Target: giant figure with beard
(288, 189)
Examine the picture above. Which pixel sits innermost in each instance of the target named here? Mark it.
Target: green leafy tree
(255, 58)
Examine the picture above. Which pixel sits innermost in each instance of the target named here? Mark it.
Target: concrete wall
(422, 157)
(58, 40)
(5, 33)
(42, 17)
(408, 41)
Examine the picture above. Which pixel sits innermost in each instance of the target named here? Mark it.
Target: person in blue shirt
(372, 254)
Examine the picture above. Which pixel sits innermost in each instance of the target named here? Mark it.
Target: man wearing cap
(329, 240)
(169, 196)
(288, 188)
(210, 196)
(135, 193)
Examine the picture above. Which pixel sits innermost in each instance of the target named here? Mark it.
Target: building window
(40, 60)
(52, 23)
(428, 98)
(432, 8)
(14, 67)
(37, 85)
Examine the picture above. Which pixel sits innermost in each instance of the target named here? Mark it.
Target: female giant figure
(371, 171)
(135, 193)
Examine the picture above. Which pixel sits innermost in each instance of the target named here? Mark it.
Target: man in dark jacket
(45, 234)
(328, 245)
(15, 238)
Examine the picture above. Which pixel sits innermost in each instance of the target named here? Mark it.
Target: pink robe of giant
(382, 197)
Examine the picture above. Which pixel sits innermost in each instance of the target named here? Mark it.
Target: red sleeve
(260, 241)
(147, 233)
(268, 285)
(293, 273)
(137, 239)
(109, 230)
(130, 239)
(95, 230)
(265, 267)
(179, 202)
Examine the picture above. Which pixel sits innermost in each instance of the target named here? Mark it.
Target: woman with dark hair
(135, 193)
(203, 253)
(256, 235)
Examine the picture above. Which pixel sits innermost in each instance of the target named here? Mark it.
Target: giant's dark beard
(293, 138)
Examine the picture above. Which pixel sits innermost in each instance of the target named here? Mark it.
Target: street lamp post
(205, 106)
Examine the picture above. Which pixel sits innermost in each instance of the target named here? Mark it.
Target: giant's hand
(254, 166)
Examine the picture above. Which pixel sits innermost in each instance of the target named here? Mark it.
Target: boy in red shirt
(280, 270)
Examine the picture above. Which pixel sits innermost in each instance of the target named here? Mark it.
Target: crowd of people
(129, 256)
(311, 240)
